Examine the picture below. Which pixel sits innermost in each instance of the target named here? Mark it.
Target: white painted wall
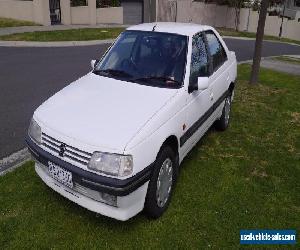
(184, 11)
(166, 10)
(290, 28)
(80, 15)
(110, 15)
(38, 11)
(41, 12)
(35, 11)
(65, 6)
(196, 12)
(223, 16)
(93, 16)
(22, 10)
(83, 15)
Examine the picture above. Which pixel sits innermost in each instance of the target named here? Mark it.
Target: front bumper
(91, 180)
(130, 192)
(128, 206)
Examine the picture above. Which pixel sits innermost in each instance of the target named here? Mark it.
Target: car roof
(187, 29)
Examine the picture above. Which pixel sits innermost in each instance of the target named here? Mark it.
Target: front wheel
(161, 184)
(223, 122)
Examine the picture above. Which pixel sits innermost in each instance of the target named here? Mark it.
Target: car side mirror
(94, 63)
(203, 83)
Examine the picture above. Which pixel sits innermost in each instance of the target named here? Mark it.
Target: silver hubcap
(227, 109)
(164, 182)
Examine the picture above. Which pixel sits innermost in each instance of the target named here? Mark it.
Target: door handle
(211, 96)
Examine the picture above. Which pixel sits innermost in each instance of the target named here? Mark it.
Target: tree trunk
(258, 42)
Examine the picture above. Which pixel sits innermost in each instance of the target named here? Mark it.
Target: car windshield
(151, 58)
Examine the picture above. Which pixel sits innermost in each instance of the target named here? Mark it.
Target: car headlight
(111, 164)
(35, 131)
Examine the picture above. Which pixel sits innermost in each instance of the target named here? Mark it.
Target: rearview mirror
(94, 63)
(203, 83)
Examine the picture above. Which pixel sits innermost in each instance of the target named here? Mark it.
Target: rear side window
(216, 50)
(199, 60)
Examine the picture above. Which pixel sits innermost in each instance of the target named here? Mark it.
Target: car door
(198, 102)
(219, 75)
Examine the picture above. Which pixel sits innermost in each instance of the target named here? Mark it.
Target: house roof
(187, 29)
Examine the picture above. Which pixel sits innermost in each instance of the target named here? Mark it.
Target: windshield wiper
(165, 79)
(112, 72)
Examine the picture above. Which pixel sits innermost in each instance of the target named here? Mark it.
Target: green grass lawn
(9, 22)
(244, 178)
(288, 59)
(66, 35)
(232, 32)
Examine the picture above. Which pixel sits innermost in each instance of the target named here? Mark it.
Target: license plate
(60, 174)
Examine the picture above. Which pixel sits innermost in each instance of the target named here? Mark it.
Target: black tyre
(223, 122)
(161, 184)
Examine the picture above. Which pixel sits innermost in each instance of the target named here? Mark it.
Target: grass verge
(9, 22)
(66, 35)
(87, 34)
(232, 32)
(287, 59)
(244, 178)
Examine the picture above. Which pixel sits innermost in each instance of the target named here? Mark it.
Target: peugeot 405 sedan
(113, 140)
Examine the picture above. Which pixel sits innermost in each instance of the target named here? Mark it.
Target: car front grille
(66, 151)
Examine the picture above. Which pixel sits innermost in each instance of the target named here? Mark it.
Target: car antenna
(154, 27)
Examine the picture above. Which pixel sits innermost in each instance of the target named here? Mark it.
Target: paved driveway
(28, 76)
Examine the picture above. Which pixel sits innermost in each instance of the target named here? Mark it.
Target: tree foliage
(107, 3)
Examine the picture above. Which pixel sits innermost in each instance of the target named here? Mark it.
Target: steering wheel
(133, 63)
(129, 63)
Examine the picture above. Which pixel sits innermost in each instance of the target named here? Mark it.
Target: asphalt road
(28, 76)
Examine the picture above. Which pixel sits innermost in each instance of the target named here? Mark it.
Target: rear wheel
(223, 122)
(161, 184)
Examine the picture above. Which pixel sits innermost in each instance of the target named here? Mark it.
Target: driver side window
(199, 60)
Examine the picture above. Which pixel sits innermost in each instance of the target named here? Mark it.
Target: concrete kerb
(14, 161)
(265, 40)
(53, 44)
(266, 57)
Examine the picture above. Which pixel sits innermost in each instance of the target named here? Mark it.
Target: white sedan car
(113, 140)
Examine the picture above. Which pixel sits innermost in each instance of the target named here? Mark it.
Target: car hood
(102, 112)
